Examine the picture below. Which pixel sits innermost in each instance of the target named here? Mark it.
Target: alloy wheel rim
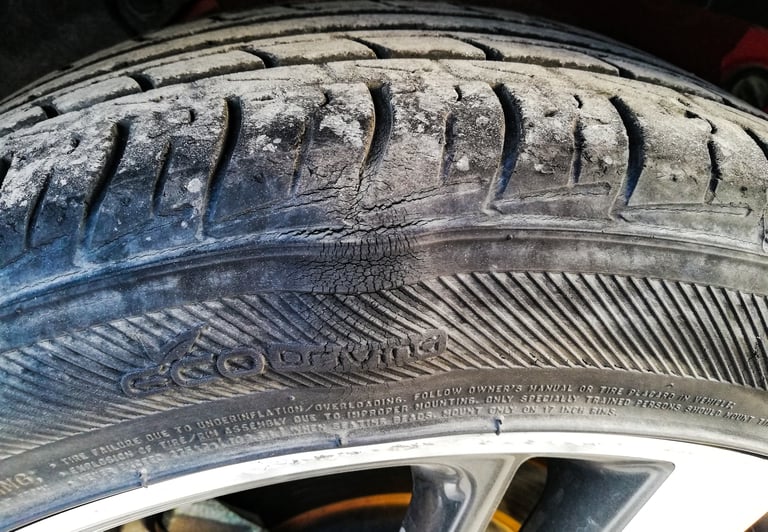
(459, 480)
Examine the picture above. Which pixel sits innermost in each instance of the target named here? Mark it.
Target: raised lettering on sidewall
(179, 363)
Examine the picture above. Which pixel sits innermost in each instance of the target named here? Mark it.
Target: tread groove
(143, 81)
(383, 121)
(763, 145)
(491, 53)
(5, 166)
(623, 72)
(37, 207)
(122, 131)
(305, 142)
(229, 24)
(269, 60)
(513, 134)
(379, 51)
(161, 178)
(715, 170)
(234, 123)
(636, 146)
(578, 151)
(449, 147)
(49, 109)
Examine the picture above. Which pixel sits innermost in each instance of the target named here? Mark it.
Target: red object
(200, 9)
(750, 52)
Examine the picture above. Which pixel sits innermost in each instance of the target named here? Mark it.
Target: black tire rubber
(352, 222)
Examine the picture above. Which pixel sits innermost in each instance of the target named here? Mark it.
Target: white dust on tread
(346, 127)
(19, 118)
(17, 193)
(267, 143)
(195, 185)
(204, 66)
(90, 95)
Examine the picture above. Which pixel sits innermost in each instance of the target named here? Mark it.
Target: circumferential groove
(383, 118)
(513, 134)
(636, 146)
(122, 131)
(234, 120)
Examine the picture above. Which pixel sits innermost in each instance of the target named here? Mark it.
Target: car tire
(332, 224)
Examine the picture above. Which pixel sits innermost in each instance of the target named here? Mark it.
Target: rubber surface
(326, 198)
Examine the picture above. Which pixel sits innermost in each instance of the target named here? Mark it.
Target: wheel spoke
(594, 496)
(206, 515)
(709, 490)
(458, 495)
(460, 479)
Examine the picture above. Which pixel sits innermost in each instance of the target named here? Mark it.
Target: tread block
(472, 144)
(61, 211)
(548, 56)
(20, 118)
(742, 166)
(545, 119)
(266, 150)
(92, 94)
(311, 49)
(408, 156)
(202, 67)
(676, 163)
(48, 181)
(160, 180)
(572, 153)
(397, 44)
(341, 131)
(672, 78)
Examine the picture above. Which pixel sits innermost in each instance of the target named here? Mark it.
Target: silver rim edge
(704, 489)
